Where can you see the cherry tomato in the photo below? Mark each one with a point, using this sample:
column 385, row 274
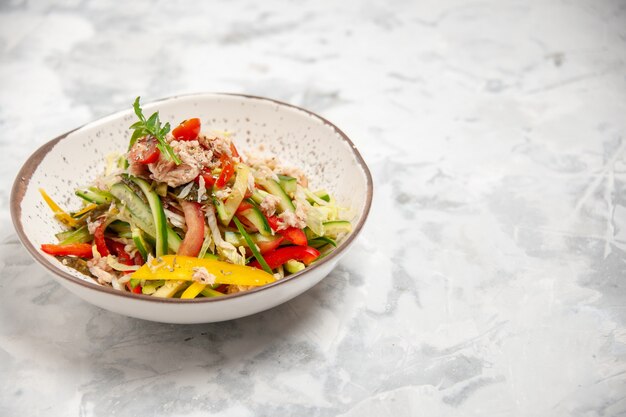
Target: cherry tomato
column 144, row 151
column 187, row 130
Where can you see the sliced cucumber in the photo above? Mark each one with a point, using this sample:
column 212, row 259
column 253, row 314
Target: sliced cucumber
column 169, row 289
column 158, row 216
column 226, row 210
column 139, row 210
column 254, row 216
column 318, row 242
column 141, row 244
column 94, row 195
column 323, row 194
column 119, row 226
column 336, row 227
column 259, row 195
column 274, row 188
column 142, row 215
column 292, row 266
column 151, row 286
column 289, row 184
column 210, row 292
column 80, row 235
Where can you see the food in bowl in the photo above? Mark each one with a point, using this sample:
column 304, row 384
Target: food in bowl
column 183, row 214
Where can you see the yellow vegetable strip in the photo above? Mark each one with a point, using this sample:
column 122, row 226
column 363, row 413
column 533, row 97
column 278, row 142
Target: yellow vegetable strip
column 193, row 290
column 59, row 213
column 84, row 210
column 174, row 267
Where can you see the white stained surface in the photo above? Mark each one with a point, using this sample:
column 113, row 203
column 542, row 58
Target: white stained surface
column 489, row 280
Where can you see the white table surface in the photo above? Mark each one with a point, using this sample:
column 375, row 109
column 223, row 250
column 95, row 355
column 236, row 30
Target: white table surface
column 490, row 279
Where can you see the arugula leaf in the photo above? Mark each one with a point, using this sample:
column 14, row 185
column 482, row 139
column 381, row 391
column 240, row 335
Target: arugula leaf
column 152, row 127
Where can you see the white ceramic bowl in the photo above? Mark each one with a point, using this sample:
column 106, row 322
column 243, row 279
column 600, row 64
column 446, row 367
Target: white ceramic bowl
column 297, row 136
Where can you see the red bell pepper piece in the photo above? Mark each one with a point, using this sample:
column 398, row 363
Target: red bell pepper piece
column 244, row 206
column 137, row 289
column 295, row 236
column 279, row 256
column 187, row 129
column 292, row 234
column 81, row 250
column 192, row 243
column 119, row 250
column 98, row 238
column 266, row 246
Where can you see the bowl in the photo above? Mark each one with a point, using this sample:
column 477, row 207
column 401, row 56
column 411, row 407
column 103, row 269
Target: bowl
column 296, row 136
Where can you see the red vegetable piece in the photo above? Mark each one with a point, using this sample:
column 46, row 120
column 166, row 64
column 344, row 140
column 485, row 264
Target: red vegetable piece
column 279, row 256
column 81, row 250
column 187, row 130
column 266, row 246
column 98, row 238
column 192, row 243
column 227, row 172
column 295, row 236
column 209, row 179
column 273, row 222
column 244, row 206
column 119, row 250
column 144, row 151
column 137, row 289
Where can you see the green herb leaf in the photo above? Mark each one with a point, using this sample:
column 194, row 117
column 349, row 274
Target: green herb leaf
column 152, row 127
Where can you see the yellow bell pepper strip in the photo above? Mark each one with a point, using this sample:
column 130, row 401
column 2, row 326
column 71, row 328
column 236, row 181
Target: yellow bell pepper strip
column 84, row 210
column 61, row 215
column 193, row 290
column 181, row 268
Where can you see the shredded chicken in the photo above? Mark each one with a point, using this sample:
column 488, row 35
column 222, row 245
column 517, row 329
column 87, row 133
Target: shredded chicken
column 99, row 268
column 290, row 219
column 297, row 173
column 223, row 193
column 193, row 157
column 201, row 275
column 269, row 204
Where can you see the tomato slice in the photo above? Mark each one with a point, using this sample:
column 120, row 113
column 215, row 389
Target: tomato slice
column 187, row 130
column 82, row 250
column 144, row 151
column 228, row 170
column 192, row 243
column 244, row 206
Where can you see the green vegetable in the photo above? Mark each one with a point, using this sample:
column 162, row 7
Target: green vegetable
column 158, row 216
column 288, row 183
column 274, row 188
column 254, row 216
column 226, row 210
column 252, row 246
column 152, row 127
column 292, row 266
column 140, row 243
column 80, row 235
column 94, row 195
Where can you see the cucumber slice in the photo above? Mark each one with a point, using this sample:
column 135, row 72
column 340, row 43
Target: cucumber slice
column 94, row 195
column 289, row 184
column 80, row 235
column 275, row 189
column 140, row 212
column 323, row 194
column 210, row 292
column 259, row 195
column 254, row 216
column 142, row 215
column 158, row 216
column 226, row 210
column 336, row 227
column 119, row 227
column 151, row 286
column 318, row 242
column 141, row 244
column 169, row 289
column 292, row 266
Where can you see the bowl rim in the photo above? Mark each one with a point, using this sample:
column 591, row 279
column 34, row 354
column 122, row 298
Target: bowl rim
column 24, row 175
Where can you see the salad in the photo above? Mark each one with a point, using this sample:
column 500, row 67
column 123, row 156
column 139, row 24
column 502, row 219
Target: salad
column 183, row 214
